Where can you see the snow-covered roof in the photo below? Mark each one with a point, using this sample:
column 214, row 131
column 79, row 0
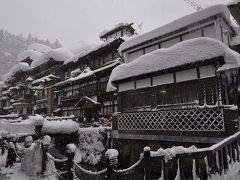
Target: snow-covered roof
column 117, row 26
column 233, row 2
column 177, row 24
column 60, row 127
column 186, row 52
column 29, row 79
column 87, row 98
column 88, row 72
column 84, row 53
column 39, row 47
column 81, row 47
column 59, row 54
column 47, row 78
column 22, row 66
column 32, row 54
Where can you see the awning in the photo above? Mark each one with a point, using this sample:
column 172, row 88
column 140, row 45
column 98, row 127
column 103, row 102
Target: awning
column 87, row 100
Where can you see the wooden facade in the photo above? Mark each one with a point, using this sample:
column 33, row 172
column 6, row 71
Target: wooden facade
column 202, row 109
column 101, row 62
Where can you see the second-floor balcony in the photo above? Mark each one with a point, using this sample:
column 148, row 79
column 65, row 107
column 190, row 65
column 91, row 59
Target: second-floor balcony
column 196, row 124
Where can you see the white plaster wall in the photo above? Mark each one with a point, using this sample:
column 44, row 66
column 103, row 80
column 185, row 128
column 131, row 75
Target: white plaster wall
column 186, row 75
column 163, row 79
column 143, row 83
column 126, row 86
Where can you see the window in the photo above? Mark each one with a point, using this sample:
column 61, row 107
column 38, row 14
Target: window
column 170, row 42
column 134, row 55
column 210, row 32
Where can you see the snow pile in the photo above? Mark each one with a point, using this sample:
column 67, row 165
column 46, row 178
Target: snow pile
column 104, row 32
column 186, row 52
column 76, row 72
column 59, row 127
column 82, row 47
column 14, row 174
column 169, row 153
column 96, row 48
column 44, row 79
column 22, row 66
column 23, row 127
column 233, row 2
column 177, row 24
column 31, row 162
column 39, row 47
column 88, row 72
column 90, row 148
column 59, row 54
column 233, row 173
column 28, row 54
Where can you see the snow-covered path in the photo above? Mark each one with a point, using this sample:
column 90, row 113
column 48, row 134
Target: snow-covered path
column 14, row 173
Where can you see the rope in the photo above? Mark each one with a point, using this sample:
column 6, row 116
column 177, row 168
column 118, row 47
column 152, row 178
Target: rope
column 56, row 172
column 90, row 172
column 128, row 169
column 54, row 159
column 76, row 176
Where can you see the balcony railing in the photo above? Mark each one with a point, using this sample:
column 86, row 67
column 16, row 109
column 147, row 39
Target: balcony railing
column 211, row 119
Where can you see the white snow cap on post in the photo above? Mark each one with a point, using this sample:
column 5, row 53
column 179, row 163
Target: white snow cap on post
column 71, row 148
column 111, row 153
column 46, row 140
column 183, row 53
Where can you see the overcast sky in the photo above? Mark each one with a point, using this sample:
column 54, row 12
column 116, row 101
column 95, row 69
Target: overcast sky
column 73, row 21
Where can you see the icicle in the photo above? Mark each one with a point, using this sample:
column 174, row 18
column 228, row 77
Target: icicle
column 162, row 175
column 194, row 173
column 178, row 172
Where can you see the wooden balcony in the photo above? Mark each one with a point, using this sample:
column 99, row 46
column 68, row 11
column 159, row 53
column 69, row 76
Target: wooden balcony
column 200, row 125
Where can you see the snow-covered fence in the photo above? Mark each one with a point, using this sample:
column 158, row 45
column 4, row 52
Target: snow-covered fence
column 219, row 161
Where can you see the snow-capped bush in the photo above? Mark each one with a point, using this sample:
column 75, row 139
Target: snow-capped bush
column 91, row 146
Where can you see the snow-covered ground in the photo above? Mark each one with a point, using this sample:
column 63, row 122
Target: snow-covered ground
column 14, row 173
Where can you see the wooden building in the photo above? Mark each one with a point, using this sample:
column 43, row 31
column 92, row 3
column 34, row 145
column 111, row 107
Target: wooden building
column 187, row 93
column 213, row 22
column 45, row 72
column 83, row 90
column 15, row 96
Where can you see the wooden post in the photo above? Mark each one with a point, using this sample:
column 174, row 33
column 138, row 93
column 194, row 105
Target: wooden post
column 164, row 170
column 237, row 149
column 210, row 163
column 220, row 160
column 225, row 159
column 197, row 166
column 109, row 170
column 44, row 158
column 70, row 164
column 147, row 164
column 181, row 169
column 233, row 151
column 229, row 152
